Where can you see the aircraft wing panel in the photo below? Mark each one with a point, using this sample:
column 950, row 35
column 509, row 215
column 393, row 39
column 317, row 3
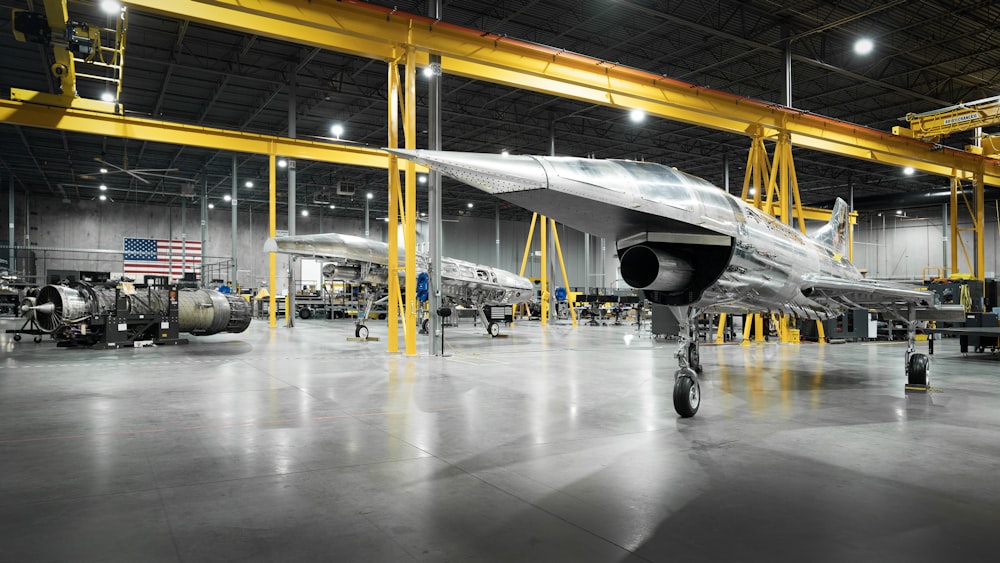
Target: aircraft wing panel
column 864, row 292
column 331, row 246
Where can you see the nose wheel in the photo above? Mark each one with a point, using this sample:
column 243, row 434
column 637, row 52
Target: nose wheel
column 361, row 331
column 687, row 392
column 493, row 329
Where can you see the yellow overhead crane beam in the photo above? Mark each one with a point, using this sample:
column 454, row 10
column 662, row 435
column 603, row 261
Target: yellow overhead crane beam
column 935, row 125
column 372, row 31
column 115, row 125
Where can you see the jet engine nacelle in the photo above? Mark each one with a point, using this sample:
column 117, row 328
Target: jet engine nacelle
column 655, row 269
column 674, row 274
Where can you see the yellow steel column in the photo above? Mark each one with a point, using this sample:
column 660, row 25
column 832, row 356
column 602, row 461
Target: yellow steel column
column 272, row 228
column 527, row 244
column 979, row 221
column 410, row 203
column 720, row 333
column 953, row 218
column 524, row 259
column 562, row 266
column 544, row 273
column 759, row 327
column 393, row 125
column 747, row 328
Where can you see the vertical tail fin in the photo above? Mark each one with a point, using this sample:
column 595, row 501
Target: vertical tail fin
column 834, row 233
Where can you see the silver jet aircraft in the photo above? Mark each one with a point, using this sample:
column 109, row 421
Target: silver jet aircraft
column 690, row 245
column 359, row 260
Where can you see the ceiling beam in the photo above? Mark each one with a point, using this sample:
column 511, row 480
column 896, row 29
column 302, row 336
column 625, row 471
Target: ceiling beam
column 376, row 32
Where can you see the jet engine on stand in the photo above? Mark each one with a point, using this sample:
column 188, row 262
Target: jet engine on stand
column 124, row 315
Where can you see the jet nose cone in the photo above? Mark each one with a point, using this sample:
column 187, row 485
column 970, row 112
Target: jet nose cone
column 493, row 173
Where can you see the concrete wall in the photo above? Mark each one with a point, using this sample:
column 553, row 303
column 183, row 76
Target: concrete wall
column 894, row 247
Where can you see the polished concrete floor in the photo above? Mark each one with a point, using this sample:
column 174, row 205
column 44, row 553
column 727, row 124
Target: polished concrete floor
column 557, row 444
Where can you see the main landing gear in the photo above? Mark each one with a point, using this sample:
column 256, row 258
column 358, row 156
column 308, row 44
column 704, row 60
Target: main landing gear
column 687, row 387
column 917, row 365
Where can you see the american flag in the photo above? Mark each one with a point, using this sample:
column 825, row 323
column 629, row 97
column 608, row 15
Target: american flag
column 172, row 258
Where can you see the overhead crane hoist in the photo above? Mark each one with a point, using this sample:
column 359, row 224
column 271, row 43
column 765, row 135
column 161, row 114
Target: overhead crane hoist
column 74, row 43
column 934, row 125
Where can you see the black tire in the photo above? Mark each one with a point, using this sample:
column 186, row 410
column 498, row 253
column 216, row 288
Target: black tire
column 493, row 329
column 425, row 326
column 305, row 313
column 361, row 331
column 17, row 338
column 38, row 339
column 917, row 374
column 687, row 395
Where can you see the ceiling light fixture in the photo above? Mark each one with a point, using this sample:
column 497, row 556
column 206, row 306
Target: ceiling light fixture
column 107, row 97
column 305, row 212
column 111, row 6
column 211, row 206
column 337, row 130
column 227, row 197
column 864, row 46
column 104, row 188
column 909, row 170
column 637, row 115
column 248, row 184
column 103, row 197
column 282, row 163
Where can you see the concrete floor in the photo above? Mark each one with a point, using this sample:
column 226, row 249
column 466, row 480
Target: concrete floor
column 546, row 445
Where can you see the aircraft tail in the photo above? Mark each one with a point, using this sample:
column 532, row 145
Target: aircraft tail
column 834, row 233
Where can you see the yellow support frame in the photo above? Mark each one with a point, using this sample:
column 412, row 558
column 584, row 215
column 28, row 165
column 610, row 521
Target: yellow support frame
column 562, row 266
column 403, row 209
column 79, row 121
column 544, row 265
column 976, row 210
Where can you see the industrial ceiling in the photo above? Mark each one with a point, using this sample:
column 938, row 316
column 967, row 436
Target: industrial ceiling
column 927, row 55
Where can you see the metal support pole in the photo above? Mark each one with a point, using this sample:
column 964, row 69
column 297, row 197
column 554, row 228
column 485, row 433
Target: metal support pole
column 204, row 228
column 367, row 224
column 272, row 228
column 184, row 237
column 604, row 262
column 725, row 172
column 497, row 222
column 944, row 236
column 788, row 66
column 586, row 263
column 11, row 263
column 233, row 213
column 291, row 201
column 435, row 231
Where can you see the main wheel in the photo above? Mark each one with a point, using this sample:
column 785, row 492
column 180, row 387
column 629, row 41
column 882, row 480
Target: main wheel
column 687, row 394
column 917, row 374
column 305, row 313
column 493, row 329
column 17, row 338
column 361, row 331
